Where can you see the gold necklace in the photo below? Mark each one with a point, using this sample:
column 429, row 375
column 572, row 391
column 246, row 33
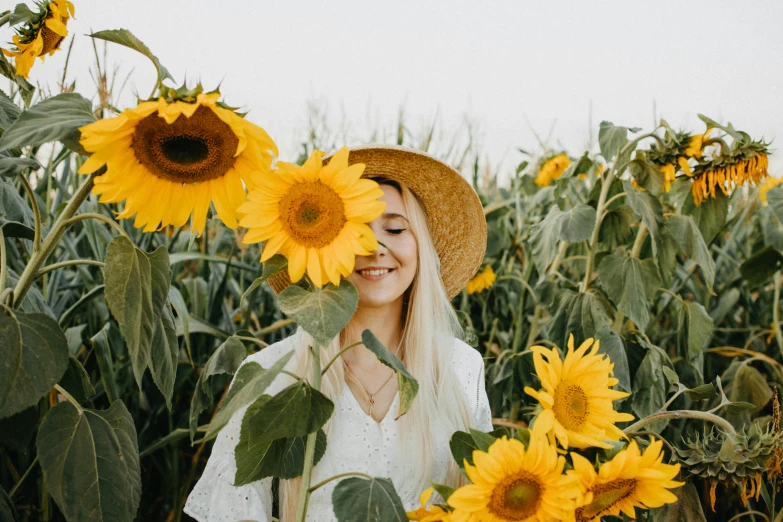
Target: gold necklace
column 371, row 400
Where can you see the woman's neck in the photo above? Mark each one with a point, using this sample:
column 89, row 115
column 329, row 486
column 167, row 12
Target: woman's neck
column 384, row 323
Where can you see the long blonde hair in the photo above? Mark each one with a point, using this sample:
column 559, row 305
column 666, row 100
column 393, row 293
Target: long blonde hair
column 429, row 325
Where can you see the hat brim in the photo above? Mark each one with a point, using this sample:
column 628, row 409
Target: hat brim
column 454, row 212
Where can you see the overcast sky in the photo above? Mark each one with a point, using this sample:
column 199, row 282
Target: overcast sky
column 510, row 67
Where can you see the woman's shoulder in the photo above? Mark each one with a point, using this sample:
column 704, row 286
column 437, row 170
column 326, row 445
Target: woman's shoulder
column 467, row 361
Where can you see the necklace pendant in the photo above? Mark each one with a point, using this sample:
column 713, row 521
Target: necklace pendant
column 372, row 401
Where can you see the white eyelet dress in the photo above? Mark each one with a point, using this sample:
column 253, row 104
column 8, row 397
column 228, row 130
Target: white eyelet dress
column 357, row 443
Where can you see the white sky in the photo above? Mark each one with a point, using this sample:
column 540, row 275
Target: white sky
column 510, row 67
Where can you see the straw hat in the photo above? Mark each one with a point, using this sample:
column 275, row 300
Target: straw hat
column 454, row 212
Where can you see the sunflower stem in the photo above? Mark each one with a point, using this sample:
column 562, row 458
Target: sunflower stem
column 682, row 414
column 99, row 217
column 340, row 475
column 4, row 18
column 323, row 372
column 304, row 493
column 55, row 234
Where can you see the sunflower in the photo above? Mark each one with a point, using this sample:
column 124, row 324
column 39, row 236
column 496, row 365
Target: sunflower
column 433, row 514
column 552, row 169
column 631, row 479
column 726, row 173
column 314, row 215
column 577, row 396
column 668, row 176
column 41, row 36
column 169, row 159
column 482, row 281
column 768, row 184
column 511, row 482
column 695, row 146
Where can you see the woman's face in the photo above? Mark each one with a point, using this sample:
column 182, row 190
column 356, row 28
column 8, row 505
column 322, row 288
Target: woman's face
column 382, row 277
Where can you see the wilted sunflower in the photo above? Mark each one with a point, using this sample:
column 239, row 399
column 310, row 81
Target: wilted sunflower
column 514, row 483
column 552, row 169
column 433, row 514
column 577, row 396
column 41, row 36
column 628, row 481
column 481, row 281
column 168, row 159
column 727, row 172
column 314, row 215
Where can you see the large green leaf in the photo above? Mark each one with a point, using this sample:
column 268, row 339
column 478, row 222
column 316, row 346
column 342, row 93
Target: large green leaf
column 407, row 386
column 688, row 236
column 462, row 445
column 294, row 412
column 710, row 216
column 612, row 345
column 136, row 290
column 225, row 360
column 762, row 266
column 249, row 383
column 76, row 381
column 90, row 460
column 612, row 138
column 577, row 223
column 10, row 166
column 367, row 500
column 9, row 111
column 33, row 357
column 647, row 175
column 544, row 236
column 103, row 354
column 616, row 226
column 649, row 209
column 649, row 387
column 54, row 119
column 321, row 312
column 126, row 38
column 631, row 284
column 273, row 265
column 695, row 329
column 749, row 385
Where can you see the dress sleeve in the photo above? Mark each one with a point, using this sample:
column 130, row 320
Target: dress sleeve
column 483, row 415
column 215, row 498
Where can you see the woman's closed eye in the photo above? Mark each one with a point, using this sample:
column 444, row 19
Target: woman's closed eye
column 396, row 231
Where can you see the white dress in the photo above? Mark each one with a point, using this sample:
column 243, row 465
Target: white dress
column 357, row 443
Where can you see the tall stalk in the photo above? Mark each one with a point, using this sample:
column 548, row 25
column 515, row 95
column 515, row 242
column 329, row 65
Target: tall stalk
column 304, row 493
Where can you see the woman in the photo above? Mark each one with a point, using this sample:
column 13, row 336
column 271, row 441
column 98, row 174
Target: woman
column 433, row 236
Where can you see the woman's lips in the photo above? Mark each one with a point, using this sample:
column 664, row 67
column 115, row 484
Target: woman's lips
column 374, row 274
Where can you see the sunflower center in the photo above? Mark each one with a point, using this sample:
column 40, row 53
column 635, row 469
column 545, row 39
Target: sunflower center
column 313, row 214
column 517, row 497
column 51, row 40
column 189, row 150
column 606, row 496
column 571, row 406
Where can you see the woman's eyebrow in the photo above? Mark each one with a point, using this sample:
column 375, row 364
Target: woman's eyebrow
column 391, row 215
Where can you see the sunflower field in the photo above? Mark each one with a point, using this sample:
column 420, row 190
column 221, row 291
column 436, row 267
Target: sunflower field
column 627, row 309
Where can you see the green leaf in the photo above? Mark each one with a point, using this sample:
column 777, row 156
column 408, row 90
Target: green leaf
column 647, row 175
column 462, row 446
column 483, row 440
column 407, row 386
column 7, row 510
column 257, row 458
column 10, row 166
column 21, row 15
column 686, row 509
column 443, row 490
column 54, row 119
column 759, row 268
column 249, row 383
column 612, row 138
column 17, row 430
column 705, row 392
column 612, row 345
column 582, row 314
column 321, row 312
column 687, row 235
column 136, row 291
column 631, row 284
column 16, row 229
column 76, row 381
column 100, row 343
column 577, row 223
column 294, row 412
column 33, row 357
column 273, row 265
column 91, row 462
column 649, row 388
column 544, row 236
column 126, row 38
column 178, row 304
column 749, row 385
column 775, row 201
column 649, row 209
column 695, row 329
column 225, row 360
column 671, row 375
column 710, row 216
column 9, row 111
column 615, row 227
column 362, row 500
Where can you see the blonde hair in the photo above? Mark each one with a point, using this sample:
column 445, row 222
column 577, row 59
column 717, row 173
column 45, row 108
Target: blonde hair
column 429, row 325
